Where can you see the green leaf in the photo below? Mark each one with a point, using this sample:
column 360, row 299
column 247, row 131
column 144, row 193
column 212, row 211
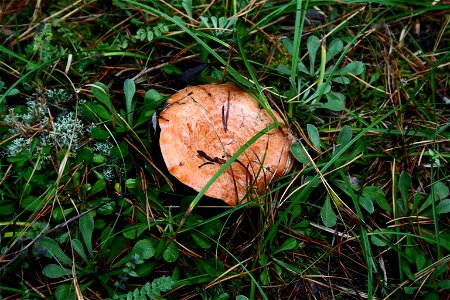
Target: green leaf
column 404, row 266
column 443, row 207
column 99, row 134
column 314, row 136
column 287, row 44
column 355, row 68
column 187, row 5
column 375, row 194
column 341, row 80
column 86, row 229
column 129, row 89
column 283, row 69
column 94, row 111
column 420, row 260
column 378, row 238
column 241, row 297
column 212, row 228
column 313, row 44
column 99, row 186
column 441, row 190
column 101, row 93
column 64, row 292
column 55, row 271
column 32, row 203
column 133, row 231
column 78, row 248
column 367, row 204
column 107, row 208
column 54, row 250
column 201, row 240
column 288, row 244
column 120, row 151
column 344, row 137
column 404, row 183
column 171, row 253
column 334, row 48
column 299, row 153
column 327, row 213
column 144, row 248
column 335, row 101
column 152, row 99
column 106, row 238
column 265, row 276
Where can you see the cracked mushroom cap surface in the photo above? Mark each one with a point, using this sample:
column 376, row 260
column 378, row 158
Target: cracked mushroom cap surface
column 203, row 126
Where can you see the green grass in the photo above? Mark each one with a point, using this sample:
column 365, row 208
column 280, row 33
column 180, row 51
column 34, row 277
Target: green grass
column 88, row 209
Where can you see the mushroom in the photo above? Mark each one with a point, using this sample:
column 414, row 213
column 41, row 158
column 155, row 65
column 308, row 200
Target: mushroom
column 203, row 126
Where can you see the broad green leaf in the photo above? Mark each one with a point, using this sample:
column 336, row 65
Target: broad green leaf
column 420, row 260
column 241, row 297
column 441, row 190
column 55, row 271
column 404, row 266
column 355, row 68
column 98, row 159
column 334, row 48
column 78, row 248
column 101, row 93
column 201, row 240
column 287, row 44
column 129, row 89
column 94, row 111
column 314, row 136
column 99, row 134
column 152, row 99
column 443, row 207
column 344, row 137
column 65, row 292
column 212, row 267
column 341, row 80
column 212, row 228
column 335, row 101
column 171, row 253
column 107, row 208
column 378, row 238
column 32, row 203
column 54, row 250
column 313, row 44
column 404, row 182
column 145, row 248
column 299, row 153
column 375, row 194
column 264, row 276
column 288, row 244
column 99, row 186
column 133, row 231
column 187, row 5
column 327, row 213
column 367, row 204
column 120, row 151
column 86, row 229
column 283, row 69
column 290, row 267
column 106, row 238
column 324, row 89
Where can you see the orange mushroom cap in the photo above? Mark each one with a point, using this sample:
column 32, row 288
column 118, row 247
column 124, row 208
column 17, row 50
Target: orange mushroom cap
column 203, row 126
